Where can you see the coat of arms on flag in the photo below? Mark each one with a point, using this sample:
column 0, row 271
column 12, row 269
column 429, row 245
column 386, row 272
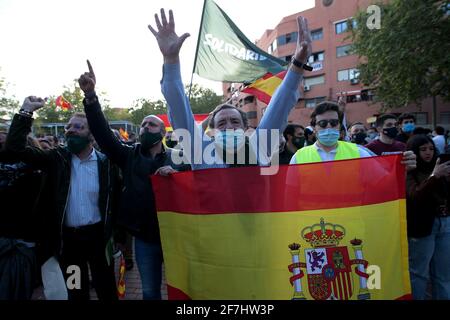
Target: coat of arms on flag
column 328, row 265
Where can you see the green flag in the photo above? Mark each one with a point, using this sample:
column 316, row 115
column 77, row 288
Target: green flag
column 225, row 54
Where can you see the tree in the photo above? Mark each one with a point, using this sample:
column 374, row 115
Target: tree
column 8, row 104
column 52, row 113
column 144, row 107
column 203, row 100
column 116, row 114
column 73, row 94
column 407, row 59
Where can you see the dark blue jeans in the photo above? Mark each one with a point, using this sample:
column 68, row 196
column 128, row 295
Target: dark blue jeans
column 149, row 261
column 429, row 257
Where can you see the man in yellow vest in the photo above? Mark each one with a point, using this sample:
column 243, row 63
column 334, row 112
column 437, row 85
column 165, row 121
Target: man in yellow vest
column 326, row 121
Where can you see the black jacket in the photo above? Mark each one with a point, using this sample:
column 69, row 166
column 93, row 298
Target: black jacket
column 20, row 219
column 425, row 196
column 57, row 164
column 137, row 213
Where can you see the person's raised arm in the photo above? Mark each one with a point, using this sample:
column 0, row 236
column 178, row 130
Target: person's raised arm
column 16, row 140
column 98, row 124
column 286, row 95
column 179, row 110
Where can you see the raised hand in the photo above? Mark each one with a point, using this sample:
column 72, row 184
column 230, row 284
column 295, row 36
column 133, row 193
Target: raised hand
column 304, row 47
column 32, row 103
column 441, row 169
column 168, row 41
column 87, row 80
column 409, row 160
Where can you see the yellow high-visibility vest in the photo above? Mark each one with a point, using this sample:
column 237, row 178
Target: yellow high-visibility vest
column 345, row 150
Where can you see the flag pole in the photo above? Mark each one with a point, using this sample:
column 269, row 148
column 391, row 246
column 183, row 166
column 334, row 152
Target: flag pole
column 196, row 50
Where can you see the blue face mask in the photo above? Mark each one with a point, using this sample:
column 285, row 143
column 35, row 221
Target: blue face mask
column 328, row 137
column 409, row 127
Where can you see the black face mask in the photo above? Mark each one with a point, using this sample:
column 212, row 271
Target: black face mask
column 391, row 132
column 171, row 143
column 298, row 142
column 359, row 138
column 76, row 144
column 149, row 139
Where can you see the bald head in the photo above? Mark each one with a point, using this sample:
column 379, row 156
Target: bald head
column 153, row 124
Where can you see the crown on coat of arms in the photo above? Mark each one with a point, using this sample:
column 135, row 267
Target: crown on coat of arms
column 323, row 234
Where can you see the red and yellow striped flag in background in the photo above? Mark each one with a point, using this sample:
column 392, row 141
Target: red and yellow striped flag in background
column 264, row 88
column 198, row 118
column 316, row 231
column 63, row 103
column 123, row 134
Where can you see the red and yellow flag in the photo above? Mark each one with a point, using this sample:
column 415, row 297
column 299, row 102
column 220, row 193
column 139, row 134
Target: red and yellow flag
column 63, row 103
column 264, row 88
column 199, row 118
column 123, row 134
column 121, row 281
column 332, row 230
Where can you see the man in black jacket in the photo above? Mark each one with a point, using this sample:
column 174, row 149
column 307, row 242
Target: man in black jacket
column 22, row 226
column 137, row 206
column 83, row 186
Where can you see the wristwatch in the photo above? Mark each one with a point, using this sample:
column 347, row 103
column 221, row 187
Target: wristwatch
column 300, row 65
column 25, row 113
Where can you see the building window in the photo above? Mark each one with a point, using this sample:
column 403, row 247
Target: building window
column 343, row 26
column 248, row 100
column 313, row 81
column 315, row 57
column 251, row 115
column 316, row 34
column 287, row 38
column 343, row 51
column 311, row 103
column 421, row 118
column 348, row 74
column 445, row 118
column 272, row 47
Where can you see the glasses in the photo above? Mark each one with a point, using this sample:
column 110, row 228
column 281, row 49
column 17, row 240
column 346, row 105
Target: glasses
column 75, row 126
column 324, row 123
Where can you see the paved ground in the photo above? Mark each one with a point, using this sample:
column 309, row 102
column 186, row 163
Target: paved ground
column 133, row 289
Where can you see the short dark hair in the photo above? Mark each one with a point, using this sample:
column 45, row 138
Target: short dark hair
column 290, row 129
column 405, row 116
column 356, row 124
column 323, row 107
column 381, row 119
column 227, row 106
column 439, row 130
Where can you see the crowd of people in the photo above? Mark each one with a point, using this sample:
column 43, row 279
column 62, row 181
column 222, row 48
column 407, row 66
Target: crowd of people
column 76, row 202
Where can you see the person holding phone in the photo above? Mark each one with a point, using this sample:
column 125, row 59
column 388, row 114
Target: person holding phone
column 428, row 216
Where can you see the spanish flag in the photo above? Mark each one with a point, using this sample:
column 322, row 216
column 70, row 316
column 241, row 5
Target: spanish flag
column 198, row 118
column 123, row 134
column 322, row 231
column 63, row 103
column 264, row 88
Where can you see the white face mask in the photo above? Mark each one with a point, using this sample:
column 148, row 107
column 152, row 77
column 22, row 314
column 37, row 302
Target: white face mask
column 229, row 140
